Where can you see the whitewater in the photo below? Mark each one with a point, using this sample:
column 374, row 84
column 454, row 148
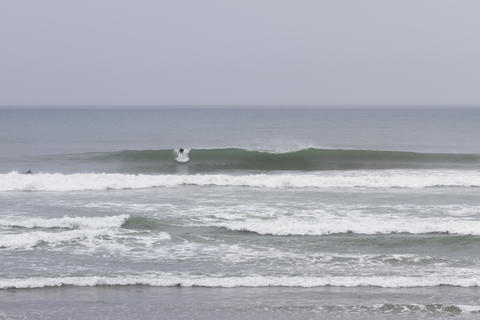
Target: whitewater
column 15, row 181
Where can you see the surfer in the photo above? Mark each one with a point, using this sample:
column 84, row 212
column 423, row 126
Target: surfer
column 28, row 172
column 181, row 155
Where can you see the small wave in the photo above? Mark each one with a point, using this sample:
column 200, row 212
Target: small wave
column 365, row 225
column 15, row 181
column 90, row 231
column 91, row 238
column 83, row 229
column 65, row 222
column 29, row 240
column 186, row 280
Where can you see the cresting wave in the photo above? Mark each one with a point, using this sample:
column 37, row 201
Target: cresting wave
column 91, row 231
column 78, row 229
column 203, row 160
column 65, row 222
column 29, row 240
column 15, row 181
column 187, row 280
column 365, row 225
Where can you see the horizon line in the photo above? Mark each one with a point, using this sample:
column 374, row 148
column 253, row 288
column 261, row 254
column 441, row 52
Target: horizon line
column 227, row 106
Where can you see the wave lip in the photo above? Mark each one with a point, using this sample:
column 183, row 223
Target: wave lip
column 186, row 280
column 15, row 181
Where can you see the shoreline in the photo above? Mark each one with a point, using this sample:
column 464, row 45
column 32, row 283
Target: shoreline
column 140, row 302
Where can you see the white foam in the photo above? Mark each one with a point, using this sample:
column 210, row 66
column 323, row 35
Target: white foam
column 91, row 232
column 395, row 308
column 15, row 181
column 359, row 225
column 414, row 307
column 66, row 222
column 28, row 240
column 469, row 308
column 280, row 148
column 187, row 280
column 317, row 218
column 125, row 206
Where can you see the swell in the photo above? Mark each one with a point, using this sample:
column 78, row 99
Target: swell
column 310, row 159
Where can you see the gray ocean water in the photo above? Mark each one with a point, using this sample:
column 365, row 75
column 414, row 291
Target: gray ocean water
column 278, row 213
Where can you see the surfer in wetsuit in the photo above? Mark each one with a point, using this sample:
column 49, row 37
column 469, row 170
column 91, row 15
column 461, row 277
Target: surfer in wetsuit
column 28, row 172
column 181, row 155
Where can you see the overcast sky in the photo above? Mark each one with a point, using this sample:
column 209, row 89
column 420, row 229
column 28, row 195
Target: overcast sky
column 242, row 52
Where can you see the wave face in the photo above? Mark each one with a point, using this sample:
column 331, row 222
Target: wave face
column 310, row 159
column 15, row 181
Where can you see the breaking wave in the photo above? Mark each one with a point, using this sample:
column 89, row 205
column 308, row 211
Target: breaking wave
column 15, row 181
column 187, row 280
column 367, row 226
column 65, row 222
column 91, row 231
column 29, row 240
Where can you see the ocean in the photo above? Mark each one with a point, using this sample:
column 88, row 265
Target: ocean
column 270, row 213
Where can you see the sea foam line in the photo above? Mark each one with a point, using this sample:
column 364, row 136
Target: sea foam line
column 15, row 181
column 185, row 280
column 359, row 225
column 28, row 240
column 65, row 222
column 397, row 308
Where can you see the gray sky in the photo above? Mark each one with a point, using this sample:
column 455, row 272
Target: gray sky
column 201, row 52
